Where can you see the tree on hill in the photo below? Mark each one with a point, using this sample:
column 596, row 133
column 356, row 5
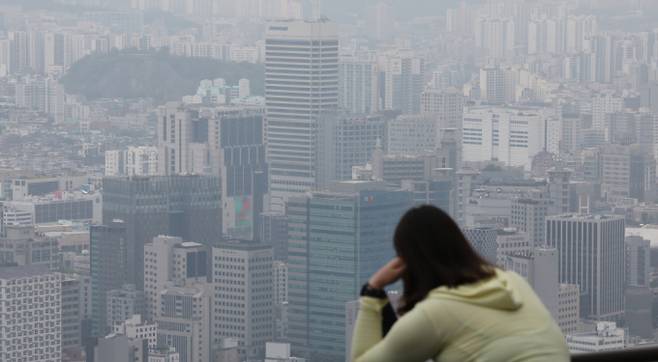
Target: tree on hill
column 157, row 75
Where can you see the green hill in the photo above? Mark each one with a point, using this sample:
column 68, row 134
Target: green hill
column 156, row 75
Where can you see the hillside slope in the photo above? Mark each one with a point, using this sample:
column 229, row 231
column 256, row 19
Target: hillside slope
column 157, row 75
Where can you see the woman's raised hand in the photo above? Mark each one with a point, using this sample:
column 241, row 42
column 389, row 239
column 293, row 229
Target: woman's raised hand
column 388, row 274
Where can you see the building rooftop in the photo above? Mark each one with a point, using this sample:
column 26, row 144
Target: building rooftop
column 585, row 217
column 26, row 271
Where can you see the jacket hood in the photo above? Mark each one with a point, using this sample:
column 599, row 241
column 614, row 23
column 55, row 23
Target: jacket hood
column 495, row 293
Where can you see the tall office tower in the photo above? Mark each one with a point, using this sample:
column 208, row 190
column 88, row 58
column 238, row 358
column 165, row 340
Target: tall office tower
column 182, row 140
column 242, row 277
column 642, row 173
column 237, row 153
column 280, row 292
column 123, row 303
column 358, row 84
column 412, row 135
column 492, row 85
column 403, row 82
column 446, row 105
column 638, row 263
column 296, row 53
column 184, row 206
column 483, row 240
column 559, row 180
column 529, row 216
column 184, row 321
column 32, row 299
column 496, row 36
column 74, row 312
column 591, row 251
column 345, row 141
column 349, row 246
column 170, row 260
column 109, row 269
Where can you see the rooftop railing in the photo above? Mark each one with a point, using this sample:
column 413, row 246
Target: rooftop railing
column 639, row 354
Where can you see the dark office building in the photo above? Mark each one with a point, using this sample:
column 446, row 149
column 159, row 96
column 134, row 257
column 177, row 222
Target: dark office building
column 185, row 206
column 337, row 240
column 237, row 146
column 109, row 268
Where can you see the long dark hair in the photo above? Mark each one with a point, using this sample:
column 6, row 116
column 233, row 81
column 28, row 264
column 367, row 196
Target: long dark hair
column 436, row 254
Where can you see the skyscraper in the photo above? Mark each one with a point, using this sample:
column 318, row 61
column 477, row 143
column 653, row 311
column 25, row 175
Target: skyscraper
column 237, row 154
column 109, row 269
column 182, row 140
column 359, row 84
column 403, row 82
column 591, row 254
column 301, row 83
column 243, row 309
column 184, row 206
column 331, row 254
column 32, row 300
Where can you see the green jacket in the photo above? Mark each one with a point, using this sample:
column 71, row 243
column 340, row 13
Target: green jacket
column 497, row 320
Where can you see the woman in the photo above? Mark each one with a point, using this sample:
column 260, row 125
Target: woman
column 455, row 306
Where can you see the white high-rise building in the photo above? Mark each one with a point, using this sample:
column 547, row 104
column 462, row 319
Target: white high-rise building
column 403, row 81
column 510, row 135
column 181, row 150
column 592, row 255
column 32, row 317
column 141, row 161
column 359, row 84
column 114, row 163
column 242, row 277
column 295, row 53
